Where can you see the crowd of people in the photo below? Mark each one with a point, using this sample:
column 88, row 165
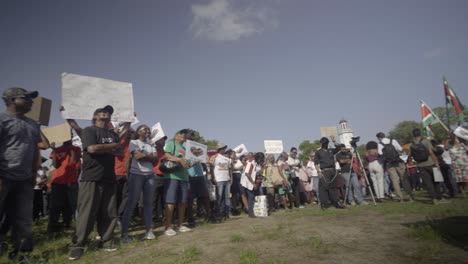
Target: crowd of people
column 119, row 173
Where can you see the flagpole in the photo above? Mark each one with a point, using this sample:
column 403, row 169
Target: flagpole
column 438, row 119
column 444, row 81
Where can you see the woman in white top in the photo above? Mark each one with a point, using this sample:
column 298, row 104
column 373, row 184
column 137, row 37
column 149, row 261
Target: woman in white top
column 141, row 178
column 252, row 168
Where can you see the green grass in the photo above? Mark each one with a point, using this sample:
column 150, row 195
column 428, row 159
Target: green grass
column 247, row 256
column 189, row 255
column 424, row 232
column 236, row 238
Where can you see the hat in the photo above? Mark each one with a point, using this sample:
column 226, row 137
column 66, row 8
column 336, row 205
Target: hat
column 16, row 91
column 461, row 133
column 220, row 146
column 107, row 109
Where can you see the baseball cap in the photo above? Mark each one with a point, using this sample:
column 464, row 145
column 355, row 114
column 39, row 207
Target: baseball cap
column 461, row 133
column 106, row 109
column 221, row 146
column 16, row 91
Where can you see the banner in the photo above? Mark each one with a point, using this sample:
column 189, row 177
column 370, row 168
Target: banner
column 157, row 133
column 273, row 146
column 82, row 95
column 196, row 151
column 58, row 134
column 240, row 150
column 328, row 131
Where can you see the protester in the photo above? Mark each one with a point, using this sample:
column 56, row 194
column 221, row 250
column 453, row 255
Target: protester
column 140, row 179
column 389, row 152
column 98, row 186
column 222, row 176
column 353, row 188
column 158, row 200
column 285, row 191
column 39, row 188
column 306, row 183
column 314, row 174
column 121, row 172
column 176, row 183
column 64, row 185
column 458, row 153
column 413, row 174
column 236, row 187
column 271, row 168
column 375, row 169
column 294, row 163
column 328, row 183
column 252, row 168
column 426, row 161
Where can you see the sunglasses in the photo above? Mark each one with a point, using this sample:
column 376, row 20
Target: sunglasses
column 144, row 129
column 24, row 97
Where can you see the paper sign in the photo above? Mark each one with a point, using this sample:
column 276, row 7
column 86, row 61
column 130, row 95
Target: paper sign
column 195, row 151
column 76, row 141
column 157, row 133
column 328, row 131
column 82, row 95
column 40, row 110
column 240, row 150
column 273, row 146
column 58, row 134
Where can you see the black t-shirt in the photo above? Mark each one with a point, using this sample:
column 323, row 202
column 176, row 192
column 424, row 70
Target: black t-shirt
column 98, row 167
column 324, row 158
column 345, row 167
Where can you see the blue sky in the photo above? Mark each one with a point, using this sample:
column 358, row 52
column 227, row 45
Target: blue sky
column 245, row 71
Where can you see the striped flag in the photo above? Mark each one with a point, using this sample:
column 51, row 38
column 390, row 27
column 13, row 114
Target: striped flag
column 452, row 99
column 427, row 119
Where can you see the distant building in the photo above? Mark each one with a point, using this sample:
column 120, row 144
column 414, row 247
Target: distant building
column 345, row 133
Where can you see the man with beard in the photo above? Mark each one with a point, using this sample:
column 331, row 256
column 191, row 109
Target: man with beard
column 98, row 186
column 328, row 184
column 19, row 161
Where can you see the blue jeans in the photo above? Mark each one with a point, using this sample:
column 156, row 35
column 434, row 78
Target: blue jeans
column 223, row 190
column 137, row 184
column 387, row 185
column 251, row 200
column 352, row 187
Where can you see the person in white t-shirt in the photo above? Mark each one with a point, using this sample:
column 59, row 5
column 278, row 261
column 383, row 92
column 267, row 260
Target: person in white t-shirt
column 312, row 170
column 222, row 176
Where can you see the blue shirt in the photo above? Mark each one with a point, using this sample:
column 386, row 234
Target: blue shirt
column 196, row 171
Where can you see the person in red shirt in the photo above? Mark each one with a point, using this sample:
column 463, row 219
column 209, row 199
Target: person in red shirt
column 64, row 185
column 159, row 181
column 121, row 172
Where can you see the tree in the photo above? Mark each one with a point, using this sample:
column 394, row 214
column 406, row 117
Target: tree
column 212, row 143
column 403, row 131
column 306, row 148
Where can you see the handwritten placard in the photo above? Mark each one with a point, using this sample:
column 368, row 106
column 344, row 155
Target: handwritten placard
column 157, row 132
column 273, row 146
column 58, row 134
column 82, row 95
column 240, row 150
column 195, row 151
column 328, row 131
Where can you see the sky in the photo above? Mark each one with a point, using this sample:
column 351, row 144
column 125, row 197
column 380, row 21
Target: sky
column 246, row 71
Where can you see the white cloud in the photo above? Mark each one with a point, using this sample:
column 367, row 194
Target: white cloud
column 220, row 20
column 432, row 53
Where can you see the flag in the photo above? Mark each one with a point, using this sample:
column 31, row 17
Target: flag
column 427, row 119
column 452, row 99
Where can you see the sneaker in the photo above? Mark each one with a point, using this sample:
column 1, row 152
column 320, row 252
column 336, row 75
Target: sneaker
column 108, row 246
column 443, row 200
column 125, row 239
column 149, row 236
column 364, row 203
column 76, row 253
column 170, row 232
column 184, row 229
column 301, row 207
column 352, row 203
column 98, row 237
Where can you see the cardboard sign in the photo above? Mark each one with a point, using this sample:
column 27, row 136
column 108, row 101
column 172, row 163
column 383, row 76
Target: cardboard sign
column 157, row 133
column 273, row 146
column 76, row 141
column 40, row 110
column 82, row 95
column 195, row 151
column 58, row 134
column 328, row 131
column 240, row 150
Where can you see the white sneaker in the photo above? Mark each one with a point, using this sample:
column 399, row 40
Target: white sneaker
column 149, row 236
column 184, row 229
column 170, row 232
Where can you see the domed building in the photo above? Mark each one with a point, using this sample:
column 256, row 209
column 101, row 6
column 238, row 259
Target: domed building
column 345, row 133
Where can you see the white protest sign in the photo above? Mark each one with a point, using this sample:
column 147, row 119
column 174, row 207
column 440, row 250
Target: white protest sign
column 157, row 133
column 58, row 134
column 328, row 131
column 273, row 146
column 82, row 95
column 195, row 151
column 240, row 150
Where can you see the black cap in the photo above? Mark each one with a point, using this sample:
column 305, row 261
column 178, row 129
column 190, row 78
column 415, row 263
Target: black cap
column 106, row 109
column 16, row 91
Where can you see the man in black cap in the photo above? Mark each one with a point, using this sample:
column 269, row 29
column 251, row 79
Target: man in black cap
column 19, row 162
column 98, row 186
column 328, row 182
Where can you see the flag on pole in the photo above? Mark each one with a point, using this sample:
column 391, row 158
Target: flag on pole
column 452, row 99
column 427, row 119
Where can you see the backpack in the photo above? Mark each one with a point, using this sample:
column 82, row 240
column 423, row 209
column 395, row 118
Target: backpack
column 389, row 153
column 419, row 151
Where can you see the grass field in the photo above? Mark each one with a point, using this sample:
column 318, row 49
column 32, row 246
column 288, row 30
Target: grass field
column 391, row 232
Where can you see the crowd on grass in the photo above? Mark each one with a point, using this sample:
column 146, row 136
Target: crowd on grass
column 119, row 175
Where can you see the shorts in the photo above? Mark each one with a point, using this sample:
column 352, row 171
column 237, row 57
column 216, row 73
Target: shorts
column 236, row 187
column 198, row 188
column 175, row 191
